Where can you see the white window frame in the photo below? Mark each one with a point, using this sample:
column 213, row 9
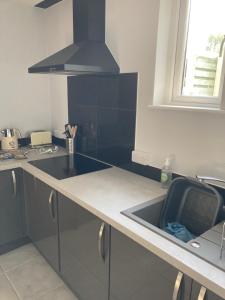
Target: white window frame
column 176, row 98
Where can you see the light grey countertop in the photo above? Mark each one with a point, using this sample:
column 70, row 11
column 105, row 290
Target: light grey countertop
column 108, row 192
column 31, row 154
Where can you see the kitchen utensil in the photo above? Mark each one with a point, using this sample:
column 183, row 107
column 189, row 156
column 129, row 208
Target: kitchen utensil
column 74, row 131
column 70, row 131
column 10, row 132
column 48, row 149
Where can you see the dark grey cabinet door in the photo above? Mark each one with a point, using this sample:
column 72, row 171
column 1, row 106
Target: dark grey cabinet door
column 84, row 249
column 12, row 212
column 136, row 273
column 206, row 294
column 42, row 214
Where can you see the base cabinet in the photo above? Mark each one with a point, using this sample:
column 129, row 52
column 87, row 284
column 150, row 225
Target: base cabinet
column 136, row 273
column 201, row 293
column 42, row 215
column 95, row 260
column 12, row 212
column 84, row 249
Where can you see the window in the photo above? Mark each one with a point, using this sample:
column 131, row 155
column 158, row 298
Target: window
column 198, row 75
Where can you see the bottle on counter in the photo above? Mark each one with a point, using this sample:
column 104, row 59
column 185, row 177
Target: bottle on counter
column 166, row 172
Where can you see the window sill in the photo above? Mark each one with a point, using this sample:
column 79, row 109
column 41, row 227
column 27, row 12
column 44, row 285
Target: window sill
column 187, row 108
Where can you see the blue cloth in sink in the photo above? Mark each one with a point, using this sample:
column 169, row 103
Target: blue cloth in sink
column 179, row 231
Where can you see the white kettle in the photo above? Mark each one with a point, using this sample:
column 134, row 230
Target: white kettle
column 9, row 138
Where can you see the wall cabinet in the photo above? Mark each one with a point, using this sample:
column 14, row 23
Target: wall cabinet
column 12, row 212
column 84, row 249
column 136, row 273
column 42, row 215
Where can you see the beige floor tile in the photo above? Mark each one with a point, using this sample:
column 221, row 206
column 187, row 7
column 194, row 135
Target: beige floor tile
column 61, row 293
column 34, row 279
column 17, row 257
column 6, row 290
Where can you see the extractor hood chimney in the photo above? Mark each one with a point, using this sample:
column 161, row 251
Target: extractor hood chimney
column 89, row 53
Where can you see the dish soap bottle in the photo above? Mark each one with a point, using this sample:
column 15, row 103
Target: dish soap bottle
column 166, row 173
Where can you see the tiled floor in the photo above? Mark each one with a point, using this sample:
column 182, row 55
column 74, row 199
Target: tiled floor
column 25, row 275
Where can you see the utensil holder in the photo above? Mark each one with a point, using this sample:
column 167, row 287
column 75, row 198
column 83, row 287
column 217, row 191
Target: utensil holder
column 70, row 145
column 9, row 143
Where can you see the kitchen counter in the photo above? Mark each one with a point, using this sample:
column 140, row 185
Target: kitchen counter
column 108, row 192
column 32, row 154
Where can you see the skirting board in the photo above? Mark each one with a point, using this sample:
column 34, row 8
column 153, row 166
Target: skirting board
column 13, row 245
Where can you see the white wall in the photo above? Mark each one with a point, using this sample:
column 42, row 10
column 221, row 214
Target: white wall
column 24, row 98
column 196, row 138
column 59, row 34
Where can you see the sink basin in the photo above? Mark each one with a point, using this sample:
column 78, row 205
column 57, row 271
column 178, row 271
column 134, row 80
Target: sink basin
column 148, row 214
column 188, row 202
column 206, row 246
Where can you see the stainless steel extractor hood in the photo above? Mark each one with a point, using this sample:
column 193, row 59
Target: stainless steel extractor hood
column 88, row 54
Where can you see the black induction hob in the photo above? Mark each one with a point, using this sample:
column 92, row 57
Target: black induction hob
column 62, row 167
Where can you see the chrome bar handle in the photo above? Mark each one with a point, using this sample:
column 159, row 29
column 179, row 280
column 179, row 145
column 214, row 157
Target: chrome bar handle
column 50, row 205
column 202, row 293
column 177, row 285
column 101, row 248
column 209, row 178
column 14, row 183
column 222, row 241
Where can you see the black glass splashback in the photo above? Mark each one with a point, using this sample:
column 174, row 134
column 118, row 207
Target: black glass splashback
column 104, row 108
column 63, row 167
